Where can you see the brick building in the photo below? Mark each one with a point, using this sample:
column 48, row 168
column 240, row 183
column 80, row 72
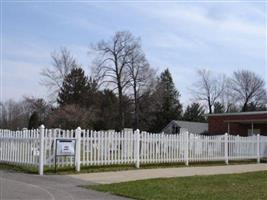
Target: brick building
column 243, row 123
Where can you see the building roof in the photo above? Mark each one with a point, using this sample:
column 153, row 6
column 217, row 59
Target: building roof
column 192, row 127
column 237, row 113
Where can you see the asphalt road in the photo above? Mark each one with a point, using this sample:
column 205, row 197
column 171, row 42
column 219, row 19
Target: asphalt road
column 22, row 186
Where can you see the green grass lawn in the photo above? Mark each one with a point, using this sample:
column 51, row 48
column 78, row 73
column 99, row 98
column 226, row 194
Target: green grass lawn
column 108, row 168
column 244, row 186
column 19, row 168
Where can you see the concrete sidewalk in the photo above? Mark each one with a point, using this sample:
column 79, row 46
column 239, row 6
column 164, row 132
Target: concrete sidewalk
column 131, row 175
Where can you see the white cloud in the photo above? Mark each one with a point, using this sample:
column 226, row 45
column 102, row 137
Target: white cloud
column 23, row 60
column 182, row 36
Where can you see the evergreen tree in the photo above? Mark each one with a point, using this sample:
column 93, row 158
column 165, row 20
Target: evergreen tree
column 218, row 108
column 76, row 89
column 194, row 112
column 254, row 107
column 92, row 91
column 168, row 106
column 107, row 111
column 232, row 109
column 34, row 121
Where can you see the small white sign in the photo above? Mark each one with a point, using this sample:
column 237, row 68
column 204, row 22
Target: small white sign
column 35, row 151
column 65, row 147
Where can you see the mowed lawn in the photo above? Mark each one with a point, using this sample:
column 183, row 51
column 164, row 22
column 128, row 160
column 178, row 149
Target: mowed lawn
column 250, row 186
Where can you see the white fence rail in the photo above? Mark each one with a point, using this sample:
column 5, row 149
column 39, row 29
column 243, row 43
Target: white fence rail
column 38, row 147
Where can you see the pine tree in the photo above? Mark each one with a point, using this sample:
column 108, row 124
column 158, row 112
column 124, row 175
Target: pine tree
column 34, row 121
column 76, row 89
column 254, row 107
column 169, row 106
column 218, row 107
column 194, row 112
column 107, row 111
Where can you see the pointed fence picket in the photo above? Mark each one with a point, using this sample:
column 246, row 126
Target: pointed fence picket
column 95, row 148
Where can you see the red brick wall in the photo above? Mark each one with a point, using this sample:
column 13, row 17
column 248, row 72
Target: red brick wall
column 217, row 124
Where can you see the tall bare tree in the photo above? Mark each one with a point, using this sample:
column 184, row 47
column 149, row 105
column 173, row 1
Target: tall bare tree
column 62, row 63
column 141, row 78
column 208, row 88
column 111, row 64
column 227, row 100
column 247, row 87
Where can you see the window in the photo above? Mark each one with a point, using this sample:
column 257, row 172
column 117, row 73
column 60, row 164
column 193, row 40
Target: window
column 175, row 129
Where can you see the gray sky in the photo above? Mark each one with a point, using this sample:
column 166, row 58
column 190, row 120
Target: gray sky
column 220, row 36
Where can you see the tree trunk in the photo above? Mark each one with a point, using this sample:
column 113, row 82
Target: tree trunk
column 245, row 105
column 210, row 106
column 136, row 110
column 121, row 112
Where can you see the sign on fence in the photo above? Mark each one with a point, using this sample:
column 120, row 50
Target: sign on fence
column 35, row 151
column 65, row 147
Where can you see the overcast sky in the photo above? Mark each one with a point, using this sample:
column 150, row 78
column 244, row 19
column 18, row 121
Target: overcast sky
column 220, row 36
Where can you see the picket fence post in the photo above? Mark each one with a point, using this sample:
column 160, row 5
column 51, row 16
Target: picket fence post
column 186, row 148
column 41, row 149
column 258, row 148
column 226, row 148
column 137, row 148
column 78, row 149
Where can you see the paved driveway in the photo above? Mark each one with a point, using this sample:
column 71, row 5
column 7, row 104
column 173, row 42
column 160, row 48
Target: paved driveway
column 21, row 186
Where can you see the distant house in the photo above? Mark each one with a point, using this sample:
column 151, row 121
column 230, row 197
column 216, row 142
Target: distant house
column 241, row 123
column 193, row 127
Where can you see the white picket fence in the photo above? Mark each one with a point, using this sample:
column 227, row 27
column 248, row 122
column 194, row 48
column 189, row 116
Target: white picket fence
column 37, row 148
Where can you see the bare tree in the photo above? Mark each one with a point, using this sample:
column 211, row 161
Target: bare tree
column 141, row 77
column 71, row 116
column 227, row 99
column 111, row 64
column 247, row 87
column 208, row 88
column 62, row 63
column 14, row 115
column 38, row 105
column 3, row 117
